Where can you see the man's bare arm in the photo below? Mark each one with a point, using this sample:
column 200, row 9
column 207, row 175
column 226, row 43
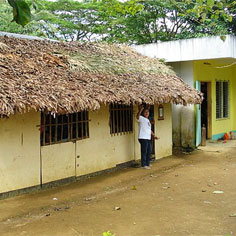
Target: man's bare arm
column 139, row 112
column 154, row 136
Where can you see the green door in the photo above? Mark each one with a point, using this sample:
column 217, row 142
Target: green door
column 198, row 117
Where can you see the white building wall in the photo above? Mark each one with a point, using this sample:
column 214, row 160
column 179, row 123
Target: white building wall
column 191, row 49
column 183, row 116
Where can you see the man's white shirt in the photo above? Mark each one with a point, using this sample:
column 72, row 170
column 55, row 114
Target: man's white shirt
column 144, row 128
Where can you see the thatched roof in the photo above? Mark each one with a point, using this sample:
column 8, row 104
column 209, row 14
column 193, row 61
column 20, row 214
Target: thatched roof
column 69, row 77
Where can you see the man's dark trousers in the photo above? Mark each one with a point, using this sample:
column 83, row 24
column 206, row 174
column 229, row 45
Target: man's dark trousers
column 146, row 149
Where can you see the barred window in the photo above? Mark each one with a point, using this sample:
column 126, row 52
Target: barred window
column 222, row 99
column 121, row 118
column 64, row 128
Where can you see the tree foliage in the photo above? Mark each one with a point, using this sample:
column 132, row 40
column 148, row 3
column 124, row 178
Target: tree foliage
column 165, row 20
column 132, row 21
column 22, row 12
column 8, row 25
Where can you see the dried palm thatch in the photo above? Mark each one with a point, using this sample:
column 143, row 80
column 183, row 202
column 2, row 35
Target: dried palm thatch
column 69, row 77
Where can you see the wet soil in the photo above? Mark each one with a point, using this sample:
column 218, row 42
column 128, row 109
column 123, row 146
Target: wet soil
column 174, row 198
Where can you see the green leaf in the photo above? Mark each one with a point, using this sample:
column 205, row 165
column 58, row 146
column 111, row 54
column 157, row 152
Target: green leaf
column 230, row 18
column 210, row 3
column 223, row 38
column 220, row 5
column 21, row 11
column 203, row 16
column 108, row 233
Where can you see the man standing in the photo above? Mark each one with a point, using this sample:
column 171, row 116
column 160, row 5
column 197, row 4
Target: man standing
column 144, row 136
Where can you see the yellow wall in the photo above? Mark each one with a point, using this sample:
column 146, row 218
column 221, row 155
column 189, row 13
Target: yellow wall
column 100, row 151
column 233, row 96
column 163, row 129
column 206, row 71
column 19, row 152
column 21, row 155
column 58, row 161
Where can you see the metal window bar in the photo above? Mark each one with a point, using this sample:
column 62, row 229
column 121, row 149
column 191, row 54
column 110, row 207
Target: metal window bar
column 82, row 127
column 225, row 99
column 62, row 123
column 71, row 127
column 121, row 120
column 128, row 120
column 49, row 126
column 126, row 111
column 77, row 127
column 124, row 120
column 113, row 119
column 131, row 118
column 82, row 123
column 116, row 120
column 61, row 133
column 85, row 123
column 44, row 133
column 87, row 127
column 121, row 123
column 69, row 135
column 218, row 99
column 56, row 130
column 65, row 133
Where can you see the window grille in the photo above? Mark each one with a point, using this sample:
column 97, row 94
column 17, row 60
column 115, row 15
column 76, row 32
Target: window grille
column 222, row 99
column 225, row 99
column 64, row 128
column 218, row 100
column 121, row 118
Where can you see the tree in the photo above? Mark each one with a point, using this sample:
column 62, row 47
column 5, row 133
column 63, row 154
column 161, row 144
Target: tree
column 201, row 8
column 8, row 25
column 134, row 21
column 162, row 21
column 70, row 20
column 22, row 12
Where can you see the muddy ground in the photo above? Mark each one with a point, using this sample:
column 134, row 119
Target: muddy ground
column 175, row 197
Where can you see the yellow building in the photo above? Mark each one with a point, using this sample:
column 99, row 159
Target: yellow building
column 208, row 64
column 68, row 110
column 217, row 82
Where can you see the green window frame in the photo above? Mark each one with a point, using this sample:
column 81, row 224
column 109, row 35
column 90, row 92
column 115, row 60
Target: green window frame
column 222, row 99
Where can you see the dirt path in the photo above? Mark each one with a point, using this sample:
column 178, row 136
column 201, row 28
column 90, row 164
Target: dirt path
column 174, row 198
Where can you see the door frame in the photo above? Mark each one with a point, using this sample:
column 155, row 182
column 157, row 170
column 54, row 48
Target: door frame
column 209, row 112
column 153, row 154
column 209, row 108
column 198, row 117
